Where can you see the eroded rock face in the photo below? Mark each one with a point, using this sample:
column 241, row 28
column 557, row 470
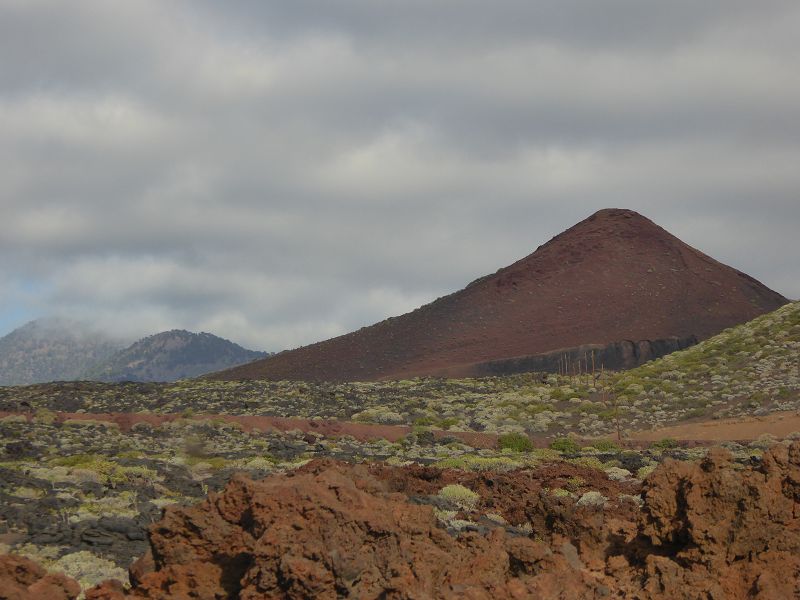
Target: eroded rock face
column 624, row 354
column 337, row 532
column 732, row 534
column 329, row 530
column 23, row 579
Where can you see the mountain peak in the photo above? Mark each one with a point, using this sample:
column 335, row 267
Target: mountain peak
column 172, row 355
column 51, row 349
column 615, row 276
column 611, row 220
column 616, row 213
column 59, row 349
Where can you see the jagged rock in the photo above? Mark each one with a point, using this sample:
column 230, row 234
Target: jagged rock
column 335, row 530
column 23, row 579
column 331, row 530
column 729, row 533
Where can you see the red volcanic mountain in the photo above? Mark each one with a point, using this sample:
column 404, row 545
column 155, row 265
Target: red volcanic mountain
column 615, row 283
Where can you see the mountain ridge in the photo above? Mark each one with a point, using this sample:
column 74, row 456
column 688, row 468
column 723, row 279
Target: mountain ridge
column 172, row 355
column 59, row 349
column 51, row 349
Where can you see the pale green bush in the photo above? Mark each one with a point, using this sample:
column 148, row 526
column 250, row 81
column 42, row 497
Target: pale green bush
column 460, row 496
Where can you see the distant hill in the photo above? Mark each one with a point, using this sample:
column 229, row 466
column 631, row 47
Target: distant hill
column 615, row 280
column 52, row 349
column 753, row 368
column 170, row 356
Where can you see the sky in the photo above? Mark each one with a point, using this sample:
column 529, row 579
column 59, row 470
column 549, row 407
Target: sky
column 282, row 172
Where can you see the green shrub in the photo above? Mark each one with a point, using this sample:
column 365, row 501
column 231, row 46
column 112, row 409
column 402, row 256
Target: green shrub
column 546, row 454
column 460, row 496
column 380, row 415
column 566, row 445
column 479, row 463
column 592, row 498
column 575, row 483
column 91, row 423
column 605, row 446
column 695, row 412
column 515, row 441
column 14, row 419
column 592, row 462
column 105, row 467
column 645, row 471
column 44, row 416
column 612, row 414
column 665, row 444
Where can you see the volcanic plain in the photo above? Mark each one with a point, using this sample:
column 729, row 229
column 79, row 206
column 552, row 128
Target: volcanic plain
column 369, row 474
column 531, row 479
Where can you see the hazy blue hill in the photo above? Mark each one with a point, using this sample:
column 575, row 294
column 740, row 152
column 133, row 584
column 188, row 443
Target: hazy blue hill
column 172, row 355
column 52, row 349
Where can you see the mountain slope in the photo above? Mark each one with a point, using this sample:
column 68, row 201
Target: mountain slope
column 753, row 368
column 51, row 350
column 614, row 276
column 172, row 355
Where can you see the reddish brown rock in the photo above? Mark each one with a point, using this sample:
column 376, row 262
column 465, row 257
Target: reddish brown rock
column 336, row 530
column 329, row 530
column 108, row 590
column 141, row 567
column 738, row 531
column 23, row 579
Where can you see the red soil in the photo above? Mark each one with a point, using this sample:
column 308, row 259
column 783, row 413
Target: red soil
column 700, row 433
column 614, row 276
column 325, row 427
column 779, row 424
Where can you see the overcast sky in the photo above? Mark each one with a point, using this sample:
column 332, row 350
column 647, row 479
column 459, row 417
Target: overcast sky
column 279, row 172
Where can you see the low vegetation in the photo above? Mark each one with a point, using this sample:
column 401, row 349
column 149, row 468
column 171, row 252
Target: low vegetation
column 748, row 370
column 82, row 479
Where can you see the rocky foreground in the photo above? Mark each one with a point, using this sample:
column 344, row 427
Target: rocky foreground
column 331, row 530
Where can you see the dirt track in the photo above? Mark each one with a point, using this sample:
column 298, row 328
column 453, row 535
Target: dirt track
column 778, row 424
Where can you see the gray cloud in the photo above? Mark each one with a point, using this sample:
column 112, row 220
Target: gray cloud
column 282, row 172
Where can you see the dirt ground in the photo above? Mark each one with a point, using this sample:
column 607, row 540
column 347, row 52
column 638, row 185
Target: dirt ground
column 779, row 424
column 741, row 429
column 325, row 427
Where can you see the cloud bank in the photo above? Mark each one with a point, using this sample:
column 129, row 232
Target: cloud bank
column 279, row 173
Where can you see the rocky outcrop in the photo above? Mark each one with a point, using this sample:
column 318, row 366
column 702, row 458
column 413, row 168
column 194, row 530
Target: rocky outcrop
column 329, row 530
column 329, row 534
column 718, row 532
column 625, row 354
column 23, row 579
